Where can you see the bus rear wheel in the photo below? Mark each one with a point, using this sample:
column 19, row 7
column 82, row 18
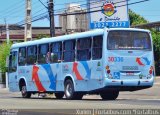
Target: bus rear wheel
column 59, row 95
column 70, row 92
column 24, row 92
column 109, row 95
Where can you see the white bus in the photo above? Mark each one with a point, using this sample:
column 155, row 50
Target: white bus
column 103, row 61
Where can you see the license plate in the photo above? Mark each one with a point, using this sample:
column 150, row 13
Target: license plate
column 130, row 74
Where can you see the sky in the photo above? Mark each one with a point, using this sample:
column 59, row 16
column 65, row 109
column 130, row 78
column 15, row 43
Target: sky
column 13, row 11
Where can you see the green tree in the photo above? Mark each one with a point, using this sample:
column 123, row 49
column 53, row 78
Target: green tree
column 156, row 42
column 4, row 53
column 40, row 36
column 156, row 39
column 136, row 19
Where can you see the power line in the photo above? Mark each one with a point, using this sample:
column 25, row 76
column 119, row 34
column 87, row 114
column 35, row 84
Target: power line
column 86, row 4
column 70, row 3
column 75, row 2
column 45, row 14
column 91, row 8
column 77, row 13
column 62, row 9
column 42, row 16
column 11, row 6
column 39, row 16
column 11, row 10
column 15, row 9
column 43, row 4
column 37, row 12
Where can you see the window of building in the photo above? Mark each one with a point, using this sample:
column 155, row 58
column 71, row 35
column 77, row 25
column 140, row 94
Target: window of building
column 84, row 49
column 97, row 47
column 56, row 52
column 31, row 55
column 43, row 54
column 69, row 51
column 22, row 56
column 13, row 62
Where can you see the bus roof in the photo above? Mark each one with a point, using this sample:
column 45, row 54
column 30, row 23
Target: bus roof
column 71, row 36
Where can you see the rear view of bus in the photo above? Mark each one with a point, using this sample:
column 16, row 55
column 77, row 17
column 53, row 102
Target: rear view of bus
column 130, row 62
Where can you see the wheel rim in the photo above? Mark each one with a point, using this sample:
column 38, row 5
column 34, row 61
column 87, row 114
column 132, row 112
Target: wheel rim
column 69, row 90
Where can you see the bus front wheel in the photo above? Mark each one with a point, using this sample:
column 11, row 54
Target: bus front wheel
column 109, row 95
column 24, row 92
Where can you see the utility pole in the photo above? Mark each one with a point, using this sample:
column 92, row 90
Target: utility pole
column 51, row 16
column 28, row 22
column 7, row 31
column 7, row 36
column 66, row 28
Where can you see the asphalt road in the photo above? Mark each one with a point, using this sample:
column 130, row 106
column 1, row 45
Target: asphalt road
column 143, row 99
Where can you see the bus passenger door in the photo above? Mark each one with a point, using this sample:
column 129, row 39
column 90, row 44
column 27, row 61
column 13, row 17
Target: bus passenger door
column 96, row 77
column 12, row 74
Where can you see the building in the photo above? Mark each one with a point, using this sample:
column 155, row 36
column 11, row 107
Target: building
column 74, row 19
column 155, row 25
column 17, row 32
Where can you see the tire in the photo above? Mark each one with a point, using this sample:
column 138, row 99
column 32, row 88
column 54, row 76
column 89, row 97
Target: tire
column 70, row 92
column 59, row 95
column 24, row 92
column 69, row 89
column 109, row 95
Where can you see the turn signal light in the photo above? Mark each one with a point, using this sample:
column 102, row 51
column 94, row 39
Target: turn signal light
column 107, row 67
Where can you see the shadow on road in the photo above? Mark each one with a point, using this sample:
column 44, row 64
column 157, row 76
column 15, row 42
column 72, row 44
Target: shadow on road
column 90, row 100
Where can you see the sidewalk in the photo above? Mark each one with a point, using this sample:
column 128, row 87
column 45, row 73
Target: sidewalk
column 157, row 80
column 4, row 90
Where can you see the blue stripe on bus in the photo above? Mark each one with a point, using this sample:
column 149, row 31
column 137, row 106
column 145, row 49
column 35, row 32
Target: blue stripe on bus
column 51, row 76
column 88, row 71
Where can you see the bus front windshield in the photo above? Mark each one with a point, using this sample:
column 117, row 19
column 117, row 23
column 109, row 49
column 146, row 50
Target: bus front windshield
column 128, row 40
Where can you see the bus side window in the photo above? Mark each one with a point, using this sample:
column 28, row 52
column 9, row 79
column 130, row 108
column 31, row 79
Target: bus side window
column 97, row 47
column 22, row 56
column 56, row 52
column 84, row 49
column 43, row 54
column 13, row 62
column 69, row 51
column 31, row 55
